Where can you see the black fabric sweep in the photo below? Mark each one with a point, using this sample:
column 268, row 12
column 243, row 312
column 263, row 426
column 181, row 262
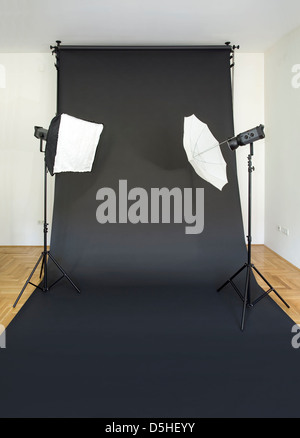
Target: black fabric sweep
column 149, row 336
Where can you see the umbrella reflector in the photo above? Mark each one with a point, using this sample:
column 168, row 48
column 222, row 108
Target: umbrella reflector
column 203, row 152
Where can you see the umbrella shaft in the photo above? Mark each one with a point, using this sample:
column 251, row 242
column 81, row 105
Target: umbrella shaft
column 207, row 150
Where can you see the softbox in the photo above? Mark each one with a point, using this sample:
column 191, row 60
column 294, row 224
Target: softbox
column 71, row 144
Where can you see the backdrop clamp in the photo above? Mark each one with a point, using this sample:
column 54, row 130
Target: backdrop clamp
column 55, row 50
column 233, row 48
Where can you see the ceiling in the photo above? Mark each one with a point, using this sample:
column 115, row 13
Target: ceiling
column 255, row 25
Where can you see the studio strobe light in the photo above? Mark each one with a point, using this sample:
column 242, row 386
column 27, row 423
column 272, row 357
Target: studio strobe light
column 71, row 146
column 204, row 154
column 246, row 137
column 249, row 137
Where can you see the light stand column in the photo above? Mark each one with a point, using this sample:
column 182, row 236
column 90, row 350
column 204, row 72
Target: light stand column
column 45, row 261
column 247, row 295
column 249, row 266
column 44, row 257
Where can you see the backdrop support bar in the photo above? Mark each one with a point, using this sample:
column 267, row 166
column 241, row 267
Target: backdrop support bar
column 213, row 47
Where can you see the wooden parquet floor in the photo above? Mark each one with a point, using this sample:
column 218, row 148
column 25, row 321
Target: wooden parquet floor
column 17, row 262
column 282, row 275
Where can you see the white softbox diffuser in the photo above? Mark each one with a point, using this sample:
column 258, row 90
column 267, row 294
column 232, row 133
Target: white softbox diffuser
column 71, row 144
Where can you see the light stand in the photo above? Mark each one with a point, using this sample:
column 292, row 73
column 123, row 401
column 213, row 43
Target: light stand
column 249, row 266
column 45, row 255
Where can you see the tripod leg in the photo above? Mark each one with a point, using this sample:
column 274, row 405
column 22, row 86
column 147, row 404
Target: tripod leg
column 249, row 286
column 28, row 280
column 42, row 267
column 63, row 272
column 270, row 286
column 246, row 298
column 232, row 278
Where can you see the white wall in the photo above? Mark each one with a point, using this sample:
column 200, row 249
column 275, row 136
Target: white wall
column 29, row 99
column 282, row 98
column 248, row 113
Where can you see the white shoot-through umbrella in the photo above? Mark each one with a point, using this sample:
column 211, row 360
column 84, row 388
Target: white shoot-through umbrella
column 203, row 152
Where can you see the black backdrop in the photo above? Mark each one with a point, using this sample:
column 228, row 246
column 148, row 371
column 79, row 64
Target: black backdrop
column 142, row 96
column 134, row 344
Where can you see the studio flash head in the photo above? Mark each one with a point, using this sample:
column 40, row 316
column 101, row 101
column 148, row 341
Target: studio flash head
column 246, row 137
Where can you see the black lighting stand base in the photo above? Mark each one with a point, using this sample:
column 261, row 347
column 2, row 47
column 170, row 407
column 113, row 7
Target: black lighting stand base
column 45, row 255
column 249, row 266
